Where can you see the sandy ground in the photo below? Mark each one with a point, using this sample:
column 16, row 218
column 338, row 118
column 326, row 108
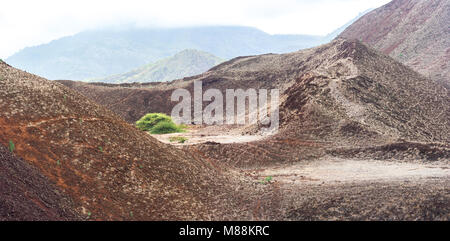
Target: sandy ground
column 335, row 170
column 332, row 188
column 326, row 170
column 346, row 189
column 219, row 134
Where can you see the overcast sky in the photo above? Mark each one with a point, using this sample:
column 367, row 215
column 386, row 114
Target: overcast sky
column 29, row 22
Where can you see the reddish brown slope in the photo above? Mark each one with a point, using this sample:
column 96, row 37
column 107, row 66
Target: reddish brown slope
column 110, row 169
column 414, row 32
column 25, row 194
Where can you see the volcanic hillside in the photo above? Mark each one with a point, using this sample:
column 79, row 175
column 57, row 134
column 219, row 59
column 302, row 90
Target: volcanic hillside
column 107, row 167
column 25, row 194
column 414, row 32
column 356, row 101
column 132, row 100
column 337, row 96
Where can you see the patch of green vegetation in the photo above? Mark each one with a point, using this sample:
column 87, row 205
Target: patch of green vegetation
column 58, row 163
column 179, row 139
column 100, row 148
column 158, row 123
column 12, row 147
column 166, row 128
column 267, row 180
column 148, row 121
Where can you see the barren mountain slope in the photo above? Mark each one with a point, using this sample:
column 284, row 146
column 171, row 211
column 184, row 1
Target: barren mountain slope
column 414, row 32
column 359, row 93
column 356, row 102
column 132, row 101
column 25, row 194
column 362, row 136
column 339, row 95
column 110, row 169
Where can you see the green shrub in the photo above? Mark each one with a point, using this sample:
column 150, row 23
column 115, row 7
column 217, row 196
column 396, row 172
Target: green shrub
column 158, row 123
column 267, row 180
column 12, row 147
column 148, row 121
column 165, row 128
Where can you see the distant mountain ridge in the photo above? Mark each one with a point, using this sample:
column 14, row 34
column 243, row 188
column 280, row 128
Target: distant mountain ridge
column 188, row 62
column 105, row 52
column 338, row 31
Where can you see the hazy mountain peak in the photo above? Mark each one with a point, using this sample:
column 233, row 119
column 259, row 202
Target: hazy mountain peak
column 104, row 52
column 183, row 64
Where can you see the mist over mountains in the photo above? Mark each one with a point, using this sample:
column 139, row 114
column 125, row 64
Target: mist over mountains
column 188, row 62
column 105, row 52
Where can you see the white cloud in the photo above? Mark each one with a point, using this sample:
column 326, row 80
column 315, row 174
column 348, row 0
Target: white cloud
column 27, row 22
